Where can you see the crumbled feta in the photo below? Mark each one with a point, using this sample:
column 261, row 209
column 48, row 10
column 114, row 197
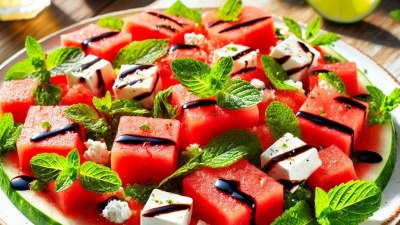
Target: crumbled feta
column 296, row 84
column 117, row 211
column 326, row 85
column 258, row 84
column 97, row 152
column 193, row 147
column 195, row 39
column 267, row 94
column 244, row 57
column 201, row 222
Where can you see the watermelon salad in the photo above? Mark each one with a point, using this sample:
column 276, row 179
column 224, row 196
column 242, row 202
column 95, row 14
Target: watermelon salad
column 187, row 117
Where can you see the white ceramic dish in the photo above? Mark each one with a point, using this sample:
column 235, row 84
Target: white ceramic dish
column 389, row 213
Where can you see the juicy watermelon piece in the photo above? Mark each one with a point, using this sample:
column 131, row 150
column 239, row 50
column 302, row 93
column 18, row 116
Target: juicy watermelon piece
column 336, row 168
column 200, row 124
column 258, row 22
column 142, row 163
column 216, row 207
column 347, row 71
column 340, row 122
column 106, row 48
column 61, row 144
column 79, row 93
column 16, row 97
column 156, row 25
column 294, row 99
column 264, row 134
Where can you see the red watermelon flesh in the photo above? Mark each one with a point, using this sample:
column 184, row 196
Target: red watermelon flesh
column 16, row 97
column 142, row 163
column 264, row 134
column 215, row 207
column 106, row 48
column 61, row 144
column 347, row 71
column 323, row 104
column 258, row 22
column 336, row 168
column 156, row 25
column 201, row 124
column 79, row 93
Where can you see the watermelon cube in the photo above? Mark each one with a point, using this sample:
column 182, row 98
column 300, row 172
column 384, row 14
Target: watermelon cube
column 264, row 135
column 336, row 168
column 145, row 150
column 328, row 118
column 156, row 25
column 202, row 119
column 246, row 31
column 16, row 97
column 98, row 41
column 79, row 93
column 62, row 136
column 217, row 207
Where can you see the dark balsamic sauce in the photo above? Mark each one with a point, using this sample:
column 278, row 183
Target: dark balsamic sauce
column 21, row 183
column 165, row 26
column 149, row 93
column 367, row 156
column 278, row 158
column 89, row 64
column 244, row 70
column 244, row 24
column 295, row 70
column 231, row 187
column 316, row 72
column 351, row 102
column 199, row 103
column 216, row 23
column 242, row 53
column 85, row 43
column 298, row 69
column 100, row 82
column 283, row 59
column 165, row 209
column 133, row 69
column 362, row 97
column 134, row 139
column 52, row 133
column 164, row 17
column 181, row 46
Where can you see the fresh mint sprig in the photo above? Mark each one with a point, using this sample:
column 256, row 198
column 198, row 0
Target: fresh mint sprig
column 139, row 192
column 9, row 133
column 204, row 81
column 231, row 10
column 299, row 214
column 98, row 178
column 275, row 73
column 333, row 79
column 281, row 119
column 381, row 105
column 180, row 9
column 162, row 106
column 70, row 172
column 111, row 23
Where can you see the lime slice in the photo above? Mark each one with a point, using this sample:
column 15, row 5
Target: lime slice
column 344, row 11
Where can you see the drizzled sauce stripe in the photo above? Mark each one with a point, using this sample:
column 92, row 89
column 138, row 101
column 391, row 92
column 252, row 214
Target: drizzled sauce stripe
column 278, row 158
column 135, row 139
column 52, row 133
column 244, row 24
column 85, row 43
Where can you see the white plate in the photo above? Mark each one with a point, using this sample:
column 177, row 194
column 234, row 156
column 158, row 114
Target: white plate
column 390, row 208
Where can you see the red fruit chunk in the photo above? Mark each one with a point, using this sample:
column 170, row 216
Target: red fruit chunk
column 216, row 207
column 336, row 168
column 156, row 25
column 142, row 163
column 264, row 134
column 61, row 144
column 106, row 48
column 79, row 93
column 16, row 97
column 255, row 28
column 294, row 99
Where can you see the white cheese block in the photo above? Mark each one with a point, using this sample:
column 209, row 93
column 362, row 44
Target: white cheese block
column 297, row 167
column 94, row 72
column 296, row 57
column 97, row 152
column 195, row 39
column 243, row 57
column 117, row 211
column 156, row 212
column 138, row 82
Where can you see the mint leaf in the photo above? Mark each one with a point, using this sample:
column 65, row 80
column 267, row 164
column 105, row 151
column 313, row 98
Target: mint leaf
column 127, row 107
column 20, row 70
column 61, row 55
column 162, row 105
column 111, row 23
column 279, row 35
column 321, row 205
column 220, row 74
column 293, row 27
column 142, row 52
column 333, row 79
column 300, row 214
column 350, row 203
column 103, row 104
column 380, row 105
column 325, row 39
column 393, row 100
column 302, row 193
column 238, row 94
column 180, row 9
column 395, row 14
column 281, row 119
column 47, row 166
column 231, row 10
column 72, row 62
column 47, row 94
column 193, row 74
column 331, row 59
column 98, row 178
column 313, row 28
column 70, row 174
column 139, row 192
column 9, row 133
column 275, row 73
column 34, row 49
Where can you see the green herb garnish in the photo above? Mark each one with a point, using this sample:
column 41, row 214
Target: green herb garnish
column 111, row 23
column 333, row 79
column 139, row 192
column 70, row 172
column 395, row 14
column 281, row 119
column 9, row 133
column 144, row 127
column 299, row 214
column 331, row 59
column 162, row 106
column 98, row 178
column 381, row 105
column 230, row 11
column 275, row 73
column 180, row 9
column 46, row 125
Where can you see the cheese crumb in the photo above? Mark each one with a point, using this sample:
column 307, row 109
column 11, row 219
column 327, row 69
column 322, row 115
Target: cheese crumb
column 258, row 84
column 193, row 147
column 117, row 211
column 296, row 84
column 97, row 152
column 195, row 39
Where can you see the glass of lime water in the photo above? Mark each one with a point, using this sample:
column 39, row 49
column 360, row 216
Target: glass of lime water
column 21, row 9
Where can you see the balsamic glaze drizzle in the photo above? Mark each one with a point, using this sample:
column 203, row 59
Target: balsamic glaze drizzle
column 244, row 70
column 52, row 133
column 181, row 46
column 350, row 102
column 242, row 53
column 231, row 187
column 198, row 103
column 100, row 82
column 165, row 209
column 134, row 139
column 298, row 69
column 162, row 16
column 89, row 64
column 367, row 156
column 316, row 72
column 165, row 26
column 283, row 59
column 244, row 24
column 85, row 43
column 21, row 183
column 278, row 158
column 133, row 69
column 149, row 93
column 216, row 23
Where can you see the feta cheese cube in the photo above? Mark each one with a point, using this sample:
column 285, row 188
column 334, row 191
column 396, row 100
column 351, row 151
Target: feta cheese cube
column 195, row 39
column 95, row 73
column 164, row 208
column 97, row 152
column 138, row 82
column 296, row 57
column 117, row 211
column 290, row 159
column 244, row 58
